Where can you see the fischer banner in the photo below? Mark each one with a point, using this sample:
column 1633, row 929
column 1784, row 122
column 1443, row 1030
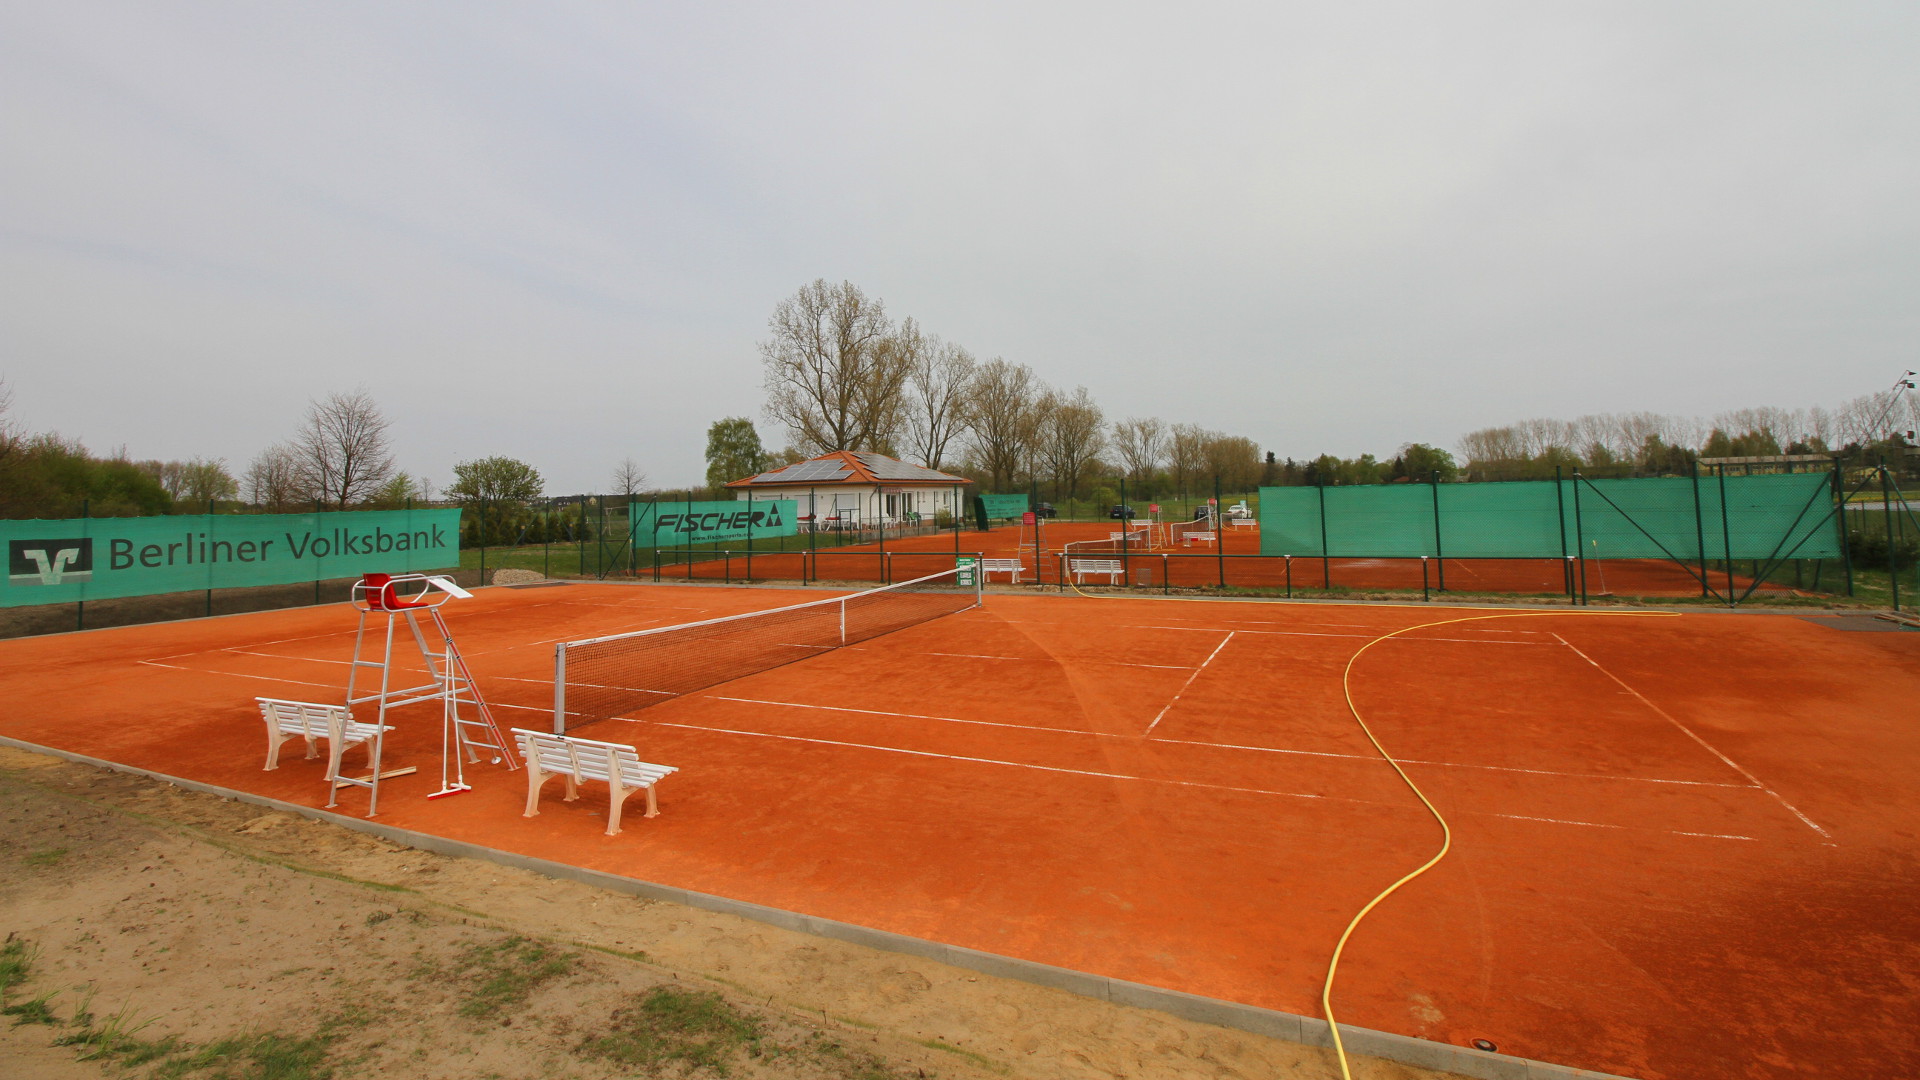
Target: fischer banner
column 664, row 524
column 59, row 562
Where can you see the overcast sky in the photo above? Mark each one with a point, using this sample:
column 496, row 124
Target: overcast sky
column 556, row 231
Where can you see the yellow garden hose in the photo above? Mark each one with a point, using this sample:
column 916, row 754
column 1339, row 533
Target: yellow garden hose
column 1446, row 833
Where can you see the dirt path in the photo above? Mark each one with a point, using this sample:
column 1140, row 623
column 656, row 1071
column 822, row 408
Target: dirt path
column 259, row 940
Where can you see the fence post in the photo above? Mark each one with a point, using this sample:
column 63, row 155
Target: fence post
column 316, row 565
column 80, row 606
column 749, row 536
column 1726, row 534
column 1579, row 536
column 209, row 564
column 1439, row 553
column 1560, row 504
column 1219, row 531
column 1326, row 564
column 1886, row 507
column 1700, row 529
column 1840, row 492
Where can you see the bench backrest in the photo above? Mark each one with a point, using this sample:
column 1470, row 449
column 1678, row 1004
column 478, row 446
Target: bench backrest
column 1096, row 566
column 302, row 717
column 1001, row 564
column 587, row 759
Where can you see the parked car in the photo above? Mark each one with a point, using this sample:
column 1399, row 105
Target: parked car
column 1044, row 510
column 1123, row 513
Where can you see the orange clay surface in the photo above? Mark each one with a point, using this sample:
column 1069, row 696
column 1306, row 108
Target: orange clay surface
column 1203, row 564
column 1684, row 846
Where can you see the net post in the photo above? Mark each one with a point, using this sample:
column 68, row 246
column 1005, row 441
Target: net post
column 1425, row 594
column 843, row 621
column 560, row 688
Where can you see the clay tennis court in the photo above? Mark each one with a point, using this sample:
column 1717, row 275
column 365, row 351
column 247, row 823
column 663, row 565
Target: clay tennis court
column 1232, row 559
column 1684, row 846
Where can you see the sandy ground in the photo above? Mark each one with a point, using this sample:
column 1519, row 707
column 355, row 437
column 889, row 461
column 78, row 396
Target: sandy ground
column 205, row 919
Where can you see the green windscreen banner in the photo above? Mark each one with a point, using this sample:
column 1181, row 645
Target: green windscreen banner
column 1781, row 516
column 59, row 562
column 1004, row 506
column 664, row 524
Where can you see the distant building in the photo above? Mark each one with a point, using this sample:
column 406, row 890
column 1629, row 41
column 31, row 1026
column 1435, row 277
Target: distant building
column 850, row 489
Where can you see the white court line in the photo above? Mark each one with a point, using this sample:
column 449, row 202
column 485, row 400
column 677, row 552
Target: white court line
column 1710, row 748
column 1457, row 765
column 238, row 675
column 1123, row 776
column 1221, row 746
column 1183, row 686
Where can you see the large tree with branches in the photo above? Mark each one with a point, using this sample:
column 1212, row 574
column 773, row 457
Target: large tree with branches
column 342, row 449
column 834, row 368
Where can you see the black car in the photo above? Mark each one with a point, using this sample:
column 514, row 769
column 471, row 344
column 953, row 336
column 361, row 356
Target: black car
column 1044, row 510
column 1122, row 513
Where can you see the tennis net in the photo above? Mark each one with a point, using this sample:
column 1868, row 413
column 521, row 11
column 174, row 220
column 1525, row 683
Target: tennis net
column 599, row 678
column 1133, row 538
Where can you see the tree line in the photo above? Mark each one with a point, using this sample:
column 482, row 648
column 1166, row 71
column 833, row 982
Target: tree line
column 841, row 374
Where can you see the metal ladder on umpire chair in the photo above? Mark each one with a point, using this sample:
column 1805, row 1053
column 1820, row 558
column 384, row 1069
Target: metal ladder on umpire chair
column 465, row 738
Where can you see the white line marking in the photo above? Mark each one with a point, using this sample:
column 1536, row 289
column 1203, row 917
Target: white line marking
column 919, row 716
column 1189, row 682
column 238, row 675
column 1457, row 764
column 1221, row 746
column 1108, row 775
column 1710, row 748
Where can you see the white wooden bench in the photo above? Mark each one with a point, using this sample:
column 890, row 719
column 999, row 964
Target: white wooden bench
column 614, row 764
column 309, row 721
column 1193, row 538
column 1081, row 569
column 1013, row 568
column 1244, row 522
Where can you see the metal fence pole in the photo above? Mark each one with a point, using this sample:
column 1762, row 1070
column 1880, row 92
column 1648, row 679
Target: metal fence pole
column 1579, row 536
column 1560, row 505
column 1219, row 531
column 80, row 606
column 1893, row 561
column 1326, row 564
column 1840, row 492
column 1439, row 553
column 1726, row 534
column 1700, row 530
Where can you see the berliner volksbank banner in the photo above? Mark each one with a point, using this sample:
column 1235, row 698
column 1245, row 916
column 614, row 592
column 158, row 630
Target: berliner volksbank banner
column 664, row 524
column 58, row 562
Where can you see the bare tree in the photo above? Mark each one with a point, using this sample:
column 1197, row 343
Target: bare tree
column 1004, row 408
column 629, row 478
column 1187, row 454
column 1072, row 432
column 942, row 381
column 834, row 368
column 342, row 449
column 1235, row 459
column 1141, row 442
column 273, row 480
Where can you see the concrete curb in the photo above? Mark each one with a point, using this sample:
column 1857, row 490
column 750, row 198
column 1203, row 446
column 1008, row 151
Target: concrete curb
column 1288, row 1027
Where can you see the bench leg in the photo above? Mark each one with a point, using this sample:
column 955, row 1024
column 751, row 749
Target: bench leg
column 653, row 805
column 274, row 739
column 573, row 787
column 535, row 780
column 616, row 798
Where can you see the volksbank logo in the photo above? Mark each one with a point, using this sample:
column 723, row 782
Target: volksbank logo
column 50, row 562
